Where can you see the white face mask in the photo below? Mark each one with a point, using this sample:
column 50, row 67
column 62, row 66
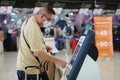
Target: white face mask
column 47, row 24
column 53, row 17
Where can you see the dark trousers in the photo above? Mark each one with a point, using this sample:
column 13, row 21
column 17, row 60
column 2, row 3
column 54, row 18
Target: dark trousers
column 21, row 76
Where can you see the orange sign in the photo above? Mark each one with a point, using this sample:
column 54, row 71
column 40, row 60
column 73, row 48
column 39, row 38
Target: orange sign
column 103, row 35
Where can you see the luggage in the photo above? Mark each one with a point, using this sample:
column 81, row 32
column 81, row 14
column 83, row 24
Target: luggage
column 42, row 76
column 37, row 72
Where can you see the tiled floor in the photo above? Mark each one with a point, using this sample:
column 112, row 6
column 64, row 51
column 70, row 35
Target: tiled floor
column 110, row 68
column 8, row 66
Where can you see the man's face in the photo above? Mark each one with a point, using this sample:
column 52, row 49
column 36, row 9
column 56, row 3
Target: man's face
column 41, row 19
column 44, row 11
column 46, row 17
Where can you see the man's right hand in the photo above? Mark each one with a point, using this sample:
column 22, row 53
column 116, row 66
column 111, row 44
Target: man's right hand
column 63, row 63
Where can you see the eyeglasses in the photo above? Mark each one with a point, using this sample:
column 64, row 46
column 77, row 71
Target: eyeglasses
column 43, row 14
column 47, row 17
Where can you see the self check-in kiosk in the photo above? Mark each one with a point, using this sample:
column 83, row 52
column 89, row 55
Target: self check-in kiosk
column 71, row 72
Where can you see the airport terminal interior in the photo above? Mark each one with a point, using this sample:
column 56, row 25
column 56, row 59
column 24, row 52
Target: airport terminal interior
column 84, row 33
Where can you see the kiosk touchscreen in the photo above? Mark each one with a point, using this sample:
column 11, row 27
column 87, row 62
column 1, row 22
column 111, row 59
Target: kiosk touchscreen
column 77, row 49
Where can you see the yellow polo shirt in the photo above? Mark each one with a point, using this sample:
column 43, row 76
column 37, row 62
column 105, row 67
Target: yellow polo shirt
column 34, row 38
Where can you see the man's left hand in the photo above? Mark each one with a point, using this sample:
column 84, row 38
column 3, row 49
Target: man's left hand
column 49, row 48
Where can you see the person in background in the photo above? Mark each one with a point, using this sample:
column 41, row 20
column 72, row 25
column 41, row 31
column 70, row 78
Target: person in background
column 58, row 31
column 59, row 37
column 75, row 34
column 1, row 40
column 74, row 39
column 52, row 30
column 31, row 32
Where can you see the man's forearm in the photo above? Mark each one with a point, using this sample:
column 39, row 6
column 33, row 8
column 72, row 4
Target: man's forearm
column 48, row 57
